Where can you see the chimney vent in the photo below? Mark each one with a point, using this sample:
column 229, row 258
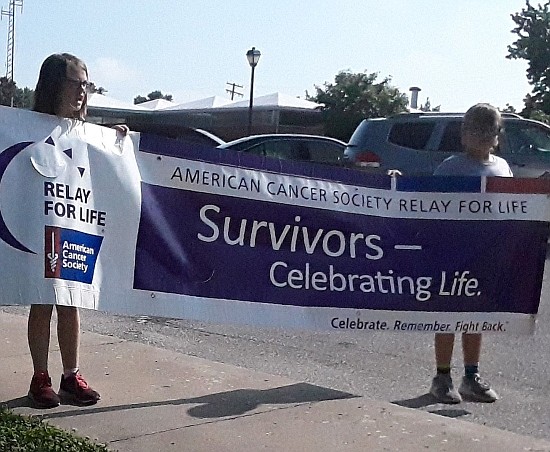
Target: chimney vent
column 414, row 97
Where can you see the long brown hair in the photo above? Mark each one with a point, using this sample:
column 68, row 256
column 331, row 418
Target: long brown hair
column 47, row 95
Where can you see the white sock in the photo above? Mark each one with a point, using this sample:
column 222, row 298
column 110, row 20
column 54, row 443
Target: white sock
column 68, row 372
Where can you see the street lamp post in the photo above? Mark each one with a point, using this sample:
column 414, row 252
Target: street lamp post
column 253, row 57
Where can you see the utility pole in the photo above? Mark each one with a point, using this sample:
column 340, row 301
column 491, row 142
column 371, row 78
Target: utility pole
column 232, row 91
column 11, row 37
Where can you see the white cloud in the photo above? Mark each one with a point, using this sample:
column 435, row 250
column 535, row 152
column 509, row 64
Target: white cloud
column 120, row 80
column 109, row 70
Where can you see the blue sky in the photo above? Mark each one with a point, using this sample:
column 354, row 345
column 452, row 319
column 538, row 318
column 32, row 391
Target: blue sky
column 454, row 50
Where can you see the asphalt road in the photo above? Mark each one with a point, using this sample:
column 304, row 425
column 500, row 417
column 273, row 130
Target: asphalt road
column 394, row 367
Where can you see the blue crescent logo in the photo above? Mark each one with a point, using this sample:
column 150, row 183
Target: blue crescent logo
column 5, row 159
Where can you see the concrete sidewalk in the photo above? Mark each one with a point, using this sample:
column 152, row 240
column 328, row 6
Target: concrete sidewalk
column 158, row 400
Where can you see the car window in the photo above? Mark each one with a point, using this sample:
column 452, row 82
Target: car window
column 245, row 145
column 257, row 149
column 527, row 138
column 451, row 139
column 325, row 152
column 281, row 149
column 414, row 135
column 299, row 149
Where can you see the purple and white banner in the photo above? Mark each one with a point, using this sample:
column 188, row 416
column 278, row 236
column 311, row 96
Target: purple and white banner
column 147, row 225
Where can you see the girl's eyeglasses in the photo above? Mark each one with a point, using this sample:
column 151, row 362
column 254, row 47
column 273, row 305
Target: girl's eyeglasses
column 83, row 84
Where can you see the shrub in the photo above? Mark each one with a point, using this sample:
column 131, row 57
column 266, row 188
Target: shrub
column 30, row 434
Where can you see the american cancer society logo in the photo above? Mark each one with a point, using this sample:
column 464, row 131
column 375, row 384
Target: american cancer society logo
column 70, row 254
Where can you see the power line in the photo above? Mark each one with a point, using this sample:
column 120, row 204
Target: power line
column 233, row 91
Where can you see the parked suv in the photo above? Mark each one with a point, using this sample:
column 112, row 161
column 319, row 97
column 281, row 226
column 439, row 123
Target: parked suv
column 416, row 143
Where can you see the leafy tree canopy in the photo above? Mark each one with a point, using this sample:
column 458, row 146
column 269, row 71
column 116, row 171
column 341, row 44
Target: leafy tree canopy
column 140, row 99
column 533, row 45
column 22, row 98
column 152, row 96
column 7, row 90
column 97, row 89
column 354, row 97
column 428, row 106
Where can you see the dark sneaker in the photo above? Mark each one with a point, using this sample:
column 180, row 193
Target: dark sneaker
column 41, row 392
column 475, row 389
column 443, row 390
column 74, row 390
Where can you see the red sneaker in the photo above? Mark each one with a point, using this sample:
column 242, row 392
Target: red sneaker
column 75, row 390
column 41, row 392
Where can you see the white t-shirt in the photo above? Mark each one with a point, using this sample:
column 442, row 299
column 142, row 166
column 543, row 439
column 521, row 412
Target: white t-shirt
column 464, row 165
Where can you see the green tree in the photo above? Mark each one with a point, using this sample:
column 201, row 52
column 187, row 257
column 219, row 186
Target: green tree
column 532, row 110
column 533, row 45
column 140, row 99
column 354, row 97
column 7, row 91
column 428, row 106
column 22, row 98
column 152, row 96
column 97, row 89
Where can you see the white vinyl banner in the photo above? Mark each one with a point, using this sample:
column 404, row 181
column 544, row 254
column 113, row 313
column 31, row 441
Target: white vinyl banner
column 69, row 203
column 146, row 225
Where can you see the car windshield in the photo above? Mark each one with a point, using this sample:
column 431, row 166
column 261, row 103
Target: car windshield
column 527, row 137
